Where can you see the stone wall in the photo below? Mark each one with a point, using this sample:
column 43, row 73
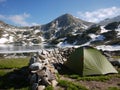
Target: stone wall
column 43, row 67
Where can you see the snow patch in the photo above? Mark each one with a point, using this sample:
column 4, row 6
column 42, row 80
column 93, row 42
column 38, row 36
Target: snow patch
column 96, row 37
column 93, row 36
column 3, row 40
column 64, row 44
column 11, row 39
column 108, row 47
column 37, row 31
column 5, row 35
column 100, row 37
column 118, row 30
column 42, row 39
column 103, row 30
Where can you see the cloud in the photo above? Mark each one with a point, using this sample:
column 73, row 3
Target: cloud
column 100, row 14
column 18, row 19
column 2, row 16
column 1, row 1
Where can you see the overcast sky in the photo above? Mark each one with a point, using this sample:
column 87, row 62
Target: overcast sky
column 33, row 12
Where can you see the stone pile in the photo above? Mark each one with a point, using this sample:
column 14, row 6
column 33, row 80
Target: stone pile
column 42, row 67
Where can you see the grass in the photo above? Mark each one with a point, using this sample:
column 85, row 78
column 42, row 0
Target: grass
column 13, row 63
column 49, row 88
column 70, row 85
column 14, row 74
column 113, row 88
column 90, row 78
column 116, row 57
column 4, row 72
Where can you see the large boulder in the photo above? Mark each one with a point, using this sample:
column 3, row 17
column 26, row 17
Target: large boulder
column 35, row 66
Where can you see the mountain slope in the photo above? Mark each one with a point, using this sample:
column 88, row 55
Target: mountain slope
column 64, row 30
column 109, row 20
column 18, row 35
column 64, row 25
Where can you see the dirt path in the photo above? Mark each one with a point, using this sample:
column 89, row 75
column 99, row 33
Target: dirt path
column 96, row 85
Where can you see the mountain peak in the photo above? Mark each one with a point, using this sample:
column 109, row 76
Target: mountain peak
column 65, row 21
column 66, row 15
column 68, row 19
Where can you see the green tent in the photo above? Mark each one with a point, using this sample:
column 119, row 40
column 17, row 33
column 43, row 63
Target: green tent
column 89, row 61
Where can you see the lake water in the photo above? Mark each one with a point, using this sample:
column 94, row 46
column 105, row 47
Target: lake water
column 23, row 49
column 19, row 49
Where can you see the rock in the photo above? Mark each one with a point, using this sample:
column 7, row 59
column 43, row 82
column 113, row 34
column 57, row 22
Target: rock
column 35, row 66
column 43, row 64
column 54, row 83
column 33, row 78
column 42, row 57
column 46, row 75
column 32, row 60
column 43, row 75
column 115, row 63
column 41, row 87
column 44, row 52
column 64, row 59
column 34, row 86
column 56, row 50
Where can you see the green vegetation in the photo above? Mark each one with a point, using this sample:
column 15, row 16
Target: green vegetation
column 115, row 41
column 49, row 88
column 13, row 63
column 91, row 78
column 110, row 35
column 97, row 42
column 4, row 72
column 71, row 86
column 14, row 74
column 116, row 57
column 95, row 30
column 54, row 41
column 113, row 88
column 112, row 26
column 81, row 39
column 101, row 78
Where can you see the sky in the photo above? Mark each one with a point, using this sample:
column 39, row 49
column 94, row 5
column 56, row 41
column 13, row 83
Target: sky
column 39, row 12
